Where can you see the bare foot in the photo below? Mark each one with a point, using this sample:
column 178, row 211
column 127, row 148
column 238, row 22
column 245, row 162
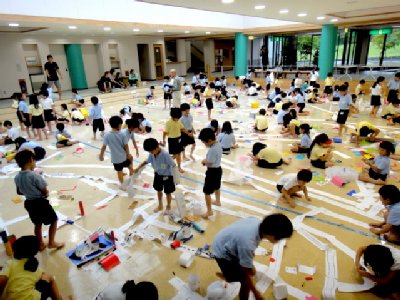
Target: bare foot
column 185, row 158
column 181, row 170
column 158, row 209
column 207, row 214
column 42, row 246
column 217, row 203
column 56, row 246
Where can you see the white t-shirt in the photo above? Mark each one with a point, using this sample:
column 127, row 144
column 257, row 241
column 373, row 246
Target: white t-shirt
column 314, row 77
column 376, row 91
column 47, row 103
column 112, row 292
column 13, row 133
column 298, row 82
column 288, row 181
column 252, row 90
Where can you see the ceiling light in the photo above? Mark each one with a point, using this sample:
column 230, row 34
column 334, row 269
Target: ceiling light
column 302, row 15
column 187, row 31
column 227, row 1
column 136, row 29
column 208, row 32
column 107, row 28
column 259, row 7
column 72, row 27
column 321, row 18
column 334, row 20
column 283, row 11
column 160, row 30
column 13, row 24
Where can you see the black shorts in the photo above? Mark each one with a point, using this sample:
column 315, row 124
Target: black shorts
column 301, row 106
column 27, row 121
column 271, row 104
column 186, row 140
column 279, row 188
column 226, row 150
column 209, row 104
column 375, row 100
column 335, row 99
column 396, row 120
column 297, row 130
column 40, row 211
column 98, row 124
column 318, row 163
column 120, row 166
column 38, row 122
column 147, row 129
column 19, row 116
column 165, row 183
column 187, row 92
column 63, row 142
column 44, row 288
column 193, row 86
column 40, row 153
column 229, row 104
column 8, row 141
column 78, row 120
column 262, row 163
column 268, row 87
column 174, row 145
column 343, row 114
column 212, row 182
column 48, row 115
column 303, row 150
column 167, row 96
column 312, row 83
column 376, row 176
column 63, row 120
column 202, row 89
column 328, row 90
column 392, row 96
column 232, row 270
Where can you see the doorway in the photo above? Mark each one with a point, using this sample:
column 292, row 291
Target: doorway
column 58, row 53
column 159, row 61
column 144, row 61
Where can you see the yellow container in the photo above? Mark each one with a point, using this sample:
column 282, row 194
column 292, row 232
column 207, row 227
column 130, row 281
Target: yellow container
column 255, row 104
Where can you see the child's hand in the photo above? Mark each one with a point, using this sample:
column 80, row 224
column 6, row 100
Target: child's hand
column 101, row 157
column 374, row 230
column 203, row 162
column 130, row 157
column 308, row 199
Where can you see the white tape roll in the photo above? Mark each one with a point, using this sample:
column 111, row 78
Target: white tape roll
column 186, row 259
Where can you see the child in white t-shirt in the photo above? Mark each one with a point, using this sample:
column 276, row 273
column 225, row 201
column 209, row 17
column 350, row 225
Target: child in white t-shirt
column 292, row 183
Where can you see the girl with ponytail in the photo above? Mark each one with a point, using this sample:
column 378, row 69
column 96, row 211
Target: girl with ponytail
column 321, row 152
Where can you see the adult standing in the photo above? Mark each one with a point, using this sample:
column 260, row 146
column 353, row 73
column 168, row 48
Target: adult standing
column 53, row 74
column 264, row 56
column 176, row 82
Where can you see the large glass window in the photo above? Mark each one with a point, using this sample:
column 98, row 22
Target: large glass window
column 308, row 50
column 384, row 49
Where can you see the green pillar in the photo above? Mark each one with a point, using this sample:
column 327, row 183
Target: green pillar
column 327, row 48
column 75, row 66
column 240, row 54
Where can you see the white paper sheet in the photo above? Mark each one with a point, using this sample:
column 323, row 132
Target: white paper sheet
column 291, row 270
column 355, row 287
column 306, row 269
column 331, row 273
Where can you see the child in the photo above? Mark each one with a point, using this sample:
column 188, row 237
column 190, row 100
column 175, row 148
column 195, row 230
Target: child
column 133, row 78
column 12, row 134
column 22, row 144
column 208, row 94
column 212, row 182
column 265, row 157
column 173, row 129
column 267, row 81
column 376, row 94
column 23, row 111
column 394, row 87
column 392, row 113
column 291, row 125
column 22, row 278
column 336, row 94
column 273, row 94
column 48, row 109
column 279, row 81
column 314, row 76
column 145, row 125
column 163, row 167
column 292, row 183
column 63, row 137
column 186, row 140
column 298, row 82
column 167, row 92
column 186, row 88
column 390, row 227
column 34, row 188
column 378, row 169
column 364, row 129
column 150, row 93
column 129, row 132
column 120, row 155
column 196, row 102
column 281, row 113
column 77, row 117
column 344, row 108
column 232, row 102
column 96, row 117
column 383, row 265
column 261, row 121
column 226, row 138
column 77, row 99
column 329, row 82
column 252, row 90
column 36, row 116
column 353, row 107
column 301, row 103
column 321, row 152
column 215, row 127
column 65, row 115
column 359, row 91
column 305, row 140
column 129, row 290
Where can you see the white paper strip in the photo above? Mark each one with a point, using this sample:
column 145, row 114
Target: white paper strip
column 329, row 290
column 355, row 287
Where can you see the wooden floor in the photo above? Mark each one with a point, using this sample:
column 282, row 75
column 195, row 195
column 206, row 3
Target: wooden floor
column 87, row 179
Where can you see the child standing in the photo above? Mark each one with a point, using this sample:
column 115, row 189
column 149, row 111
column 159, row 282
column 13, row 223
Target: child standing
column 167, row 92
column 96, row 117
column 329, row 82
column 120, row 155
column 129, row 133
column 265, row 157
column 23, row 110
column 212, row 182
column 63, row 137
column 163, row 172
column 208, row 94
column 48, row 109
column 321, row 152
column 378, row 169
column 376, row 94
column 267, row 82
column 173, row 129
column 226, row 138
column 390, row 227
column 292, row 183
column 305, row 140
column 344, row 108
column 359, row 91
column 187, row 121
column 394, row 88
column 261, row 121
column 36, row 116
column 34, row 188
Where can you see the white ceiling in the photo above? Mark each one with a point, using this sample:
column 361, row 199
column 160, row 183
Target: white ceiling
column 349, row 10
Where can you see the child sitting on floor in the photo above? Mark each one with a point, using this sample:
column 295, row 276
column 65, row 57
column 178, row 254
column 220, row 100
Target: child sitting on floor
column 77, row 117
column 305, row 140
column 390, row 227
column 291, row 125
column 12, row 134
column 215, row 127
column 77, row 99
column 129, row 290
column 261, row 121
column 65, row 115
column 321, row 152
column 378, row 169
column 265, row 157
column 63, row 137
column 226, row 138
column 232, row 102
column 145, row 125
column 281, row 113
column 292, row 183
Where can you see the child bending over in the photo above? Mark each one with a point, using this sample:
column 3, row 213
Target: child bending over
column 265, row 157
column 292, row 183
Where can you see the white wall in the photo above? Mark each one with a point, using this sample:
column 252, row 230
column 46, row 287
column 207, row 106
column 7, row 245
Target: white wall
column 13, row 57
column 188, row 54
column 209, row 54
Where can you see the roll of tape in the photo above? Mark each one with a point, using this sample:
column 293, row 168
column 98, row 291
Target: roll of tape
column 186, row 259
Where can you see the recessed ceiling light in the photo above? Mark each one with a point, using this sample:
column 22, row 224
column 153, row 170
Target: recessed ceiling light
column 187, row 31
column 302, row 15
column 259, row 7
column 72, row 27
column 136, row 29
column 321, row 18
column 208, row 32
column 283, row 11
column 13, row 24
column 160, row 30
column 227, row 1
column 334, row 20
column 107, row 28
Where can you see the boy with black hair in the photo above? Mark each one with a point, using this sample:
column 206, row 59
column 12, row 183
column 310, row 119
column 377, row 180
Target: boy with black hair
column 390, row 227
column 173, row 129
column 163, row 166
column 96, row 117
column 129, row 132
column 145, row 125
column 212, row 182
column 345, row 102
column 150, row 93
column 63, row 137
column 187, row 121
column 12, row 134
column 364, row 130
column 235, row 245
column 292, row 183
column 34, row 188
column 77, row 99
column 120, row 155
